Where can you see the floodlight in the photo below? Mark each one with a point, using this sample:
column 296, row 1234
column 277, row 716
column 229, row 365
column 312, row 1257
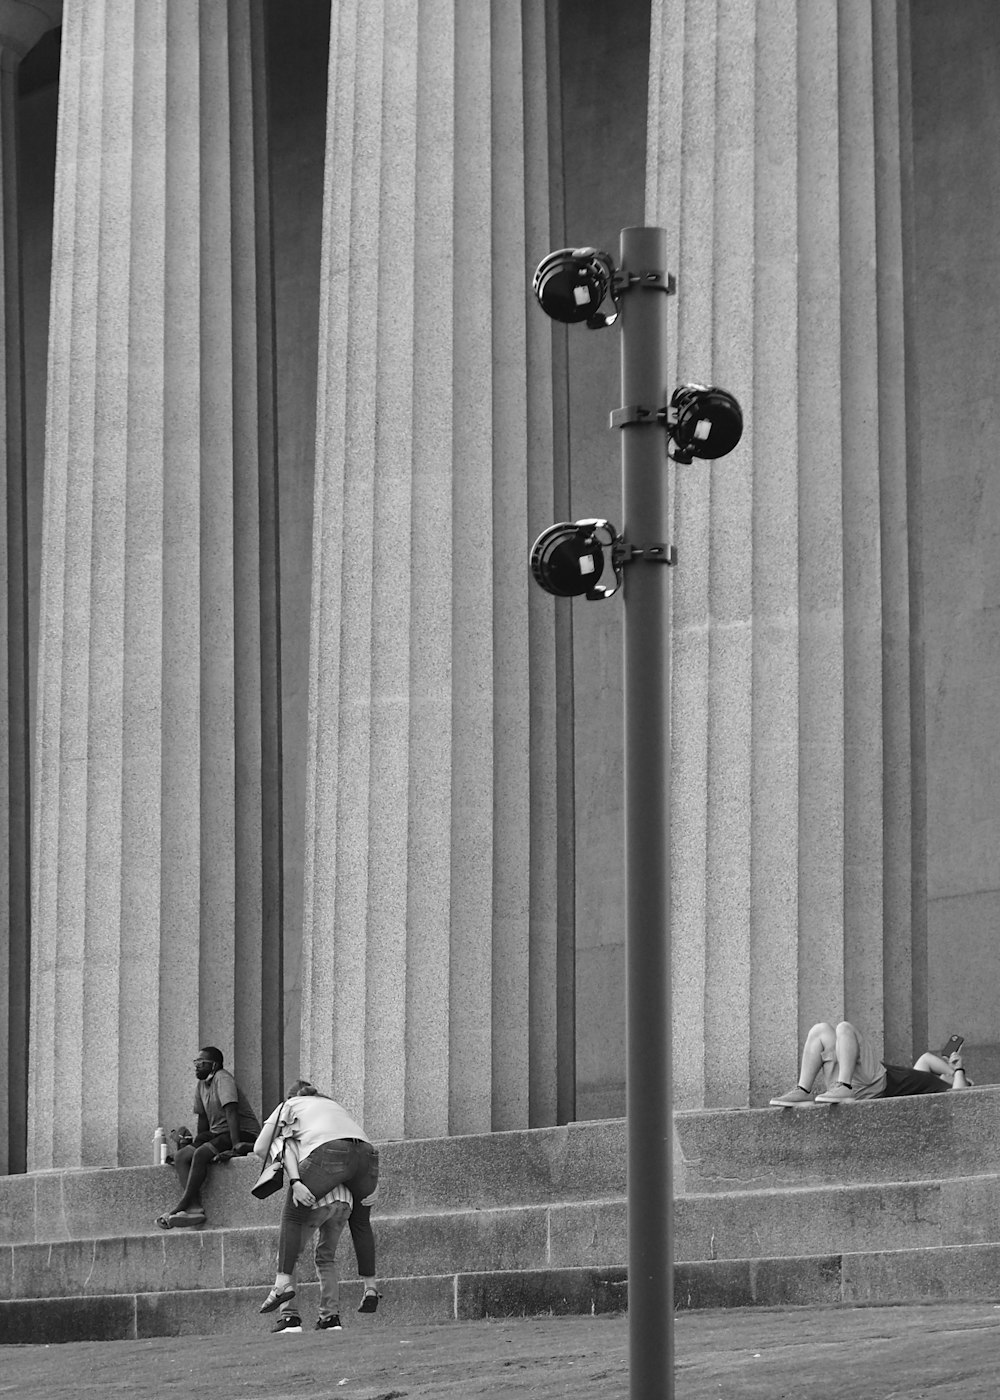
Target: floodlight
column 702, row 422
column 568, row 559
column 571, row 284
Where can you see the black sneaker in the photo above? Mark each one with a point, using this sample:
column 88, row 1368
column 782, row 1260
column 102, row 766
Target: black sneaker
column 288, row 1322
column 329, row 1324
column 369, row 1303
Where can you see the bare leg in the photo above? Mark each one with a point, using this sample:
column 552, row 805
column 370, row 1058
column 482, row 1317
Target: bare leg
column 198, row 1163
column 848, row 1050
column 822, row 1037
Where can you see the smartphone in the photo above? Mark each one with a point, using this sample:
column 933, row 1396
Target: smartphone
column 955, row 1042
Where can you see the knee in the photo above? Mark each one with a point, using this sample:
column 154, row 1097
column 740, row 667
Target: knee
column 204, row 1154
column 820, row 1031
column 845, row 1028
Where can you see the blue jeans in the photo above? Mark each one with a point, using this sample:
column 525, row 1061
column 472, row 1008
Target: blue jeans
column 353, row 1163
column 297, row 1224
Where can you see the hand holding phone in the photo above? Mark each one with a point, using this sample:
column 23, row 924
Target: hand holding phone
column 952, row 1046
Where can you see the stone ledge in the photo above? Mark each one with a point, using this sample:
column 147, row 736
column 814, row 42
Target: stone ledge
column 716, row 1227
column 418, row 1176
column 724, row 1150
column 524, row 1237
column 960, row 1273
column 927, row 1138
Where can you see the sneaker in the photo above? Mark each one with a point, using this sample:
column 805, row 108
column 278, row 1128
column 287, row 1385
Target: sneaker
column 369, row 1303
column 837, row 1093
column 329, row 1324
column 288, row 1322
column 795, row 1098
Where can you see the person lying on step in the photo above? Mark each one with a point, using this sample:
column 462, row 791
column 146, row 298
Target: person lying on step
column 850, row 1071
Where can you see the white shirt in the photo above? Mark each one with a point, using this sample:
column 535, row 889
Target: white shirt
column 312, row 1121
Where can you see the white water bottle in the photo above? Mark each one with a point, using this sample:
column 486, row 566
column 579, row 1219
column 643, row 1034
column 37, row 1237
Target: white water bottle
column 159, row 1148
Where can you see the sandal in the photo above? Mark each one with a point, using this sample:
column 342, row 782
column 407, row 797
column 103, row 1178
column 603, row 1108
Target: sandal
column 164, row 1222
column 179, row 1218
column 275, row 1298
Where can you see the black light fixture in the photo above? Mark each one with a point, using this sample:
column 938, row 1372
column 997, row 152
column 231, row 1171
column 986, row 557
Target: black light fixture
column 572, row 283
column 702, row 422
column 568, row 559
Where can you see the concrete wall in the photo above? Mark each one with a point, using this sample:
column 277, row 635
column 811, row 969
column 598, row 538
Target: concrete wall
column 956, row 125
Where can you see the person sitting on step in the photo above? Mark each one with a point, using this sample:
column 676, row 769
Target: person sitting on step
column 850, row 1071
column 227, row 1127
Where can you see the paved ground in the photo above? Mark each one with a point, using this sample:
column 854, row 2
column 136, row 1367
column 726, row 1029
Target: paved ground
column 907, row 1353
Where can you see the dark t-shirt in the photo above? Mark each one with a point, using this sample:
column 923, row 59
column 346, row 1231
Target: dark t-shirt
column 211, row 1099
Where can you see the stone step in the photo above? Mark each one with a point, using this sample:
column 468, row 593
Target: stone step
column 722, row 1150
column 931, row 1137
column 581, row 1161
column 714, row 1227
column 957, row 1273
column 837, row 1219
column 837, row 1204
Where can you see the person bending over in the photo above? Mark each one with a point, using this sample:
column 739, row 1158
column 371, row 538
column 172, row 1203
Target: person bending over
column 323, row 1148
column 844, row 1062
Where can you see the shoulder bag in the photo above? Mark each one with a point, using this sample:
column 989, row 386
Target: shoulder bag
column 272, row 1174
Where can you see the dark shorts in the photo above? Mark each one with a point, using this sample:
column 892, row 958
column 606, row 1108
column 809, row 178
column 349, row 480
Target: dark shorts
column 901, row 1082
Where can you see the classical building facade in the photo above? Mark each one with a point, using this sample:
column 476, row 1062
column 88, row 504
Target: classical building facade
column 296, row 761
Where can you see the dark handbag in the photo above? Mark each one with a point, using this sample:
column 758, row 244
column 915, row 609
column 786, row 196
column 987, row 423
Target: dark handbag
column 272, row 1176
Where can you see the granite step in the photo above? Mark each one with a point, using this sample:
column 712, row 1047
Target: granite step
column 722, row 1150
column 894, row 1201
column 957, row 1273
column 580, row 1161
column 931, row 1137
column 735, row 1228
column 712, row 1227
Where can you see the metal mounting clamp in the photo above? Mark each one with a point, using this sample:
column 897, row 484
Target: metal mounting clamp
column 635, row 413
column 654, row 279
column 624, row 553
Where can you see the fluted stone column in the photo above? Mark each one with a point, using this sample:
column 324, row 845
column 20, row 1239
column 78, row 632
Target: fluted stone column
column 429, row 994
column 22, row 24
column 774, row 161
column 154, row 923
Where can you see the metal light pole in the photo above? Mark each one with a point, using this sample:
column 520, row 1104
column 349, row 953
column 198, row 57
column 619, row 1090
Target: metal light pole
column 568, row 560
column 647, row 816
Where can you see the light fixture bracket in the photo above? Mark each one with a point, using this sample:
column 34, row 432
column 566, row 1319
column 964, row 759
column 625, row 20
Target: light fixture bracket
column 636, row 413
column 654, row 279
column 623, row 553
